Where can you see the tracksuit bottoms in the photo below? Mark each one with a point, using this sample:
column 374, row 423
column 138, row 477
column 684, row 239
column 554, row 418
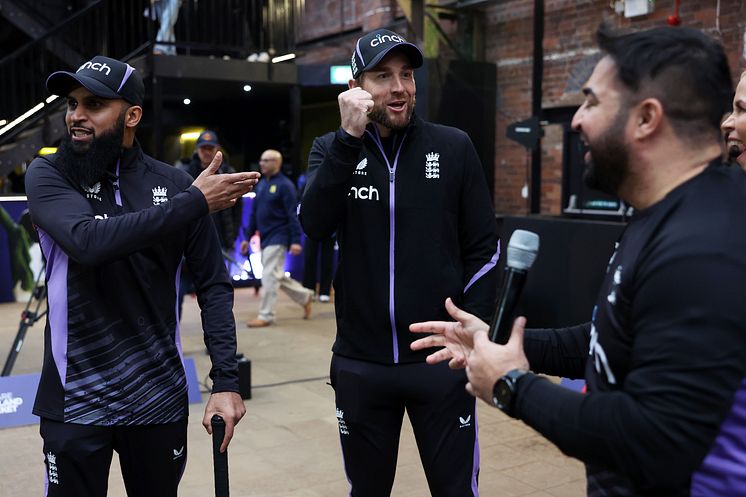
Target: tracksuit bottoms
column 77, row 458
column 370, row 402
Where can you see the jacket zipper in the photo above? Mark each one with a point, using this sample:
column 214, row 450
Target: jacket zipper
column 392, row 191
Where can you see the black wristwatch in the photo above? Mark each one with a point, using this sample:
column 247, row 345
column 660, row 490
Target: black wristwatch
column 503, row 392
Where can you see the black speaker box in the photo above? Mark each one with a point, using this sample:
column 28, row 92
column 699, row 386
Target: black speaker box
column 244, row 377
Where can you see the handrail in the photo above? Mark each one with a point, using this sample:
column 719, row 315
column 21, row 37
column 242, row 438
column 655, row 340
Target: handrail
column 121, row 29
column 52, row 31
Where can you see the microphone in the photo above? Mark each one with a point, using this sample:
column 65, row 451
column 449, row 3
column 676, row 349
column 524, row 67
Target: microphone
column 522, row 250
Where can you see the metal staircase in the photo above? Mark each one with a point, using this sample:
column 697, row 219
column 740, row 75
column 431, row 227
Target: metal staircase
column 122, row 30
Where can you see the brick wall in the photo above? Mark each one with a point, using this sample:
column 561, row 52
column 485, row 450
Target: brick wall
column 325, row 22
column 569, row 56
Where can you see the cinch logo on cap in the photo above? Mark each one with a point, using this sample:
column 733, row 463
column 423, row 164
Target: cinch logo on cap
column 96, row 66
column 386, row 38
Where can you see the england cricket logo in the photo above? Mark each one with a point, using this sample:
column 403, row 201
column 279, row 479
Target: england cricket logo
column 432, row 166
column 159, row 195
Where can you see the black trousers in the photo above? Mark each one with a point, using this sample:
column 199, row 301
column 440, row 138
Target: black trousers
column 318, row 262
column 78, row 457
column 371, row 399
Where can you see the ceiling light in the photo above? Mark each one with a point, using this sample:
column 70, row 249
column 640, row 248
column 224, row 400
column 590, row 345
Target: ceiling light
column 283, row 58
column 246, row 87
column 21, row 118
column 189, row 136
column 187, row 101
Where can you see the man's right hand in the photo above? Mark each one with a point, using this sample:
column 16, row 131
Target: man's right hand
column 223, row 190
column 354, row 105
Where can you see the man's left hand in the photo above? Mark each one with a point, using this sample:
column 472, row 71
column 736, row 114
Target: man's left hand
column 296, row 249
column 489, row 361
column 230, row 407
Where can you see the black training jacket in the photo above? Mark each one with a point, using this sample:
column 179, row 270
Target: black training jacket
column 415, row 225
column 664, row 357
column 114, row 251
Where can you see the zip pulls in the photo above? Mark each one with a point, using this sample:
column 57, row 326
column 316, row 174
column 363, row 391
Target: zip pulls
column 376, row 137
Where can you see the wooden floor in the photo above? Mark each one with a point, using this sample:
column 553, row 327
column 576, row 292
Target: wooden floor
column 288, row 445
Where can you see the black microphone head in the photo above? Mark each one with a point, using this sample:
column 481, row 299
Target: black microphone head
column 522, row 249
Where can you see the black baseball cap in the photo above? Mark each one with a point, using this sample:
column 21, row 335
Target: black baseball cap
column 371, row 48
column 208, row 137
column 102, row 76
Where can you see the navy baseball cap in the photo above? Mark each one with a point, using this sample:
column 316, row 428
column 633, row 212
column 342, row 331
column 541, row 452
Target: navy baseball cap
column 102, row 76
column 371, row 48
column 208, row 137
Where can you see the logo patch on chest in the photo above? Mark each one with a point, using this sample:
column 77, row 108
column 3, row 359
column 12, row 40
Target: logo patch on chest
column 360, row 169
column 160, row 195
column 93, row 191
column 432, row 166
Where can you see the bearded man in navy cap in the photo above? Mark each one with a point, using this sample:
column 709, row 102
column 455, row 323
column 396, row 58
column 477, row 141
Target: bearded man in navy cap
column 113, row 225
column 415, row 225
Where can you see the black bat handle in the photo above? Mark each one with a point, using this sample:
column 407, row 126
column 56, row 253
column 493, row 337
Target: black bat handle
column 220, row 460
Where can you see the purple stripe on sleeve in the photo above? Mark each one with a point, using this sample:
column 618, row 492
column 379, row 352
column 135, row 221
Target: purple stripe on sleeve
column 723, row 471
column 485, row 268
column 56, row 281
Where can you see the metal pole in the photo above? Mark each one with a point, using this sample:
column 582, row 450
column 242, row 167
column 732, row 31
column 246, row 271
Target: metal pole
column 536, row 94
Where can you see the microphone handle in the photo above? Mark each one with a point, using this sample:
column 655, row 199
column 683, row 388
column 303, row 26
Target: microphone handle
column 220, row 460
column 502, row 321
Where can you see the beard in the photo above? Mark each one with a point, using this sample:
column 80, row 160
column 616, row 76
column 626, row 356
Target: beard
column 734, row 152
column 608, row 167
column 378, row 115
column 88, row 164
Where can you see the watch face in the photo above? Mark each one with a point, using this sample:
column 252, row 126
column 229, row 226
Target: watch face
column 502, row 394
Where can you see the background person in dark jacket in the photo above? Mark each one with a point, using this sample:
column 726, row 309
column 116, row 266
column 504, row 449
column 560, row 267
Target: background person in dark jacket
column 227, row 221
column 275, row 219
column 318, row 259
column 415, row 224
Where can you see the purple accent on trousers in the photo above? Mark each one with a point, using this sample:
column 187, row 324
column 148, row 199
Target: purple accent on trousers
column 392, row 232
column 484, row 269
column 723, row 471
column 56, row 281
column 475, row 467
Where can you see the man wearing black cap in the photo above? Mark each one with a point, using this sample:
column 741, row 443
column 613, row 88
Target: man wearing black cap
column 415, row 225
column 227, row 221
column 113, row 225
